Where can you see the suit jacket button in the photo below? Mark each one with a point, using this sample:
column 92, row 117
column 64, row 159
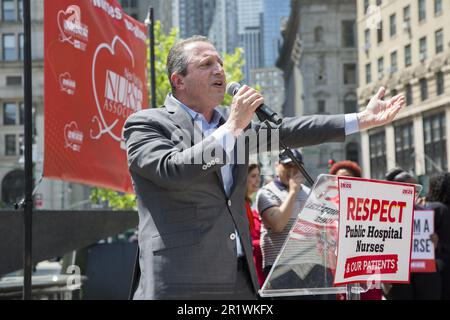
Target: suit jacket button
column 229, row 203
column 232, row 236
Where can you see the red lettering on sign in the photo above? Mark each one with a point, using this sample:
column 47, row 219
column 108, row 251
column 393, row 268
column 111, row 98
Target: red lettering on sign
column 366, row 209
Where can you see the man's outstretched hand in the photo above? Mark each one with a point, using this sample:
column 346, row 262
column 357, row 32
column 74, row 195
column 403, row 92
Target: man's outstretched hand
column 379, row 112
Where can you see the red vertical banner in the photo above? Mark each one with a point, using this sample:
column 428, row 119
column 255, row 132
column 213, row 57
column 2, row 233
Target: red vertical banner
column 95, row 77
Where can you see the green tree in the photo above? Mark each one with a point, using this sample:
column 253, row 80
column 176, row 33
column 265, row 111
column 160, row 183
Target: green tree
column 163, row 42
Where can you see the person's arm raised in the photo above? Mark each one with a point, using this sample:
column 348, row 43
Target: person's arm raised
column 379, row 112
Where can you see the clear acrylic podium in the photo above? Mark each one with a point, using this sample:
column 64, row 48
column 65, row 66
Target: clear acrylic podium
column 307, row 260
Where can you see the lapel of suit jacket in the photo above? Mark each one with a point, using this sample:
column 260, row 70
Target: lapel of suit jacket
column 184, row 121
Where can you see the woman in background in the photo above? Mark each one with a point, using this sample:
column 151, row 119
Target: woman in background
column 440, row 191
column 254, row 220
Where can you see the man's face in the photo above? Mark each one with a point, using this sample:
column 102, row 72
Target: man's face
column 286, row 172
column 204, row 84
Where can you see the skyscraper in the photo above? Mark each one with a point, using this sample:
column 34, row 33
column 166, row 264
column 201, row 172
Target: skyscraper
column 249, row 30
column 223, row 31
column 274, row 13
column 193, row 17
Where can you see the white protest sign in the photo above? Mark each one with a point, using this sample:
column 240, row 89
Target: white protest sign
column 422, row 257
column 375, row 231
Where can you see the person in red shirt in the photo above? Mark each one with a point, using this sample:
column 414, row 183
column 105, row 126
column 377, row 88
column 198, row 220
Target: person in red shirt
column 253, row 183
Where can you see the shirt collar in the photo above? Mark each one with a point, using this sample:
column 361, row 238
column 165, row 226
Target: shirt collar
column 198, row 116
column 279, row 184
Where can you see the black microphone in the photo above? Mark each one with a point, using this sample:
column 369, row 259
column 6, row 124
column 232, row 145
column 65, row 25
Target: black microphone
column 263, row 112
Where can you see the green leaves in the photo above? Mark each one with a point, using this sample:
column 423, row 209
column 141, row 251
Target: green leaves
column 233, row 64
column 113, row 199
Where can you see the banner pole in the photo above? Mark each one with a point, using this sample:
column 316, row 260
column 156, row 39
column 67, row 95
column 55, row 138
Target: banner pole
column 150, row 22
column 28, row 142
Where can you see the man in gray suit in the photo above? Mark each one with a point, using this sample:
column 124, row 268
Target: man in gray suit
column 193, row 231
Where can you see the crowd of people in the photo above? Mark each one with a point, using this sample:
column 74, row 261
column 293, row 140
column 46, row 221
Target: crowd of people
column 277, row 204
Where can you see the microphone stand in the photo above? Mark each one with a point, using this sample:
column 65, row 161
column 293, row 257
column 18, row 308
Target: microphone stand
column 288, row 152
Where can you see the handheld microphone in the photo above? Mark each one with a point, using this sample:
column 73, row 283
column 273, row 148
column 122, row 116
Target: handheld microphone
column 263, row 112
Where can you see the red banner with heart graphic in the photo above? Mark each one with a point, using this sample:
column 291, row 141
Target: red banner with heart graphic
column 95, row 77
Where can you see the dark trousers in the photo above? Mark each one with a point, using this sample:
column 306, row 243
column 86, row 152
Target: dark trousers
column 423, row 286
column 242, row 289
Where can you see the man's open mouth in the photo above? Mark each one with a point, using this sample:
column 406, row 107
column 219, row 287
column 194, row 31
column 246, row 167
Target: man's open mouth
column 219, row 84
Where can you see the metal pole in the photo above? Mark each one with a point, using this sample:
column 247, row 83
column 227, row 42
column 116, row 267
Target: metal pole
column 28, row 155
column 288, row 152
column 150, row 21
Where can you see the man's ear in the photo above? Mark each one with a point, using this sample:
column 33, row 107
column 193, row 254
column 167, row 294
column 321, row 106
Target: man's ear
column 177, row 81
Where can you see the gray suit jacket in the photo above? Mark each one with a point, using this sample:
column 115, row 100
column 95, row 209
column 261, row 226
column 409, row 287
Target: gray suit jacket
column 186, row 220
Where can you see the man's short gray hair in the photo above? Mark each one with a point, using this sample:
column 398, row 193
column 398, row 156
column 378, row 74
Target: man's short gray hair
column 177, row 60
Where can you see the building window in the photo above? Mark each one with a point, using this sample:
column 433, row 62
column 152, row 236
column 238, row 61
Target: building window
column 423, row 89
column 9, row 47
column 13, row 80
column 21, row 144
column 437, row 7
column 408, row 94
column 21, row 113
column 9, row 12
column 348, row 34
column 422, row 10
column 349, row 73
column 21, row 10
column 21, row 46
column 404, row 147
column 392, row 25
column 380, row 68
column 352, row 152
column 366, row 6
column 368, row 73
column 423, row 48
column 129, row 3
column 439, row 40
column 439, row 83
column 321, row 106
column 394, row 92
column 435, row 143
column 318, row 34
column 367, row 39
column 350, row 105
column 10, row 145
column 9, row 114
column 377, row 145
column 13, row 185
column 407, row 13
column 380, row 33
column 394, row 66
column 408, row 58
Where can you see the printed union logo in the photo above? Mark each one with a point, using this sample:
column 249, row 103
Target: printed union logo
column 73, row 136
column 118, row 91
column 407, row 191
column 346, row 185
column 71, row 29
column 67, row 84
